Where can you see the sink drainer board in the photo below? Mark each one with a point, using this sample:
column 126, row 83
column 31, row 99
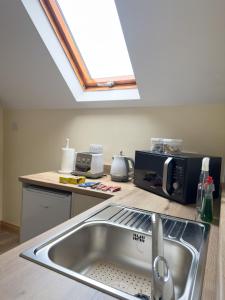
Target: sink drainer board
column 117, row 277
column 111, row 251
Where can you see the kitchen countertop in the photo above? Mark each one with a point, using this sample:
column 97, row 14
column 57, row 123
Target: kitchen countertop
column 51, row 180
column 22, row 279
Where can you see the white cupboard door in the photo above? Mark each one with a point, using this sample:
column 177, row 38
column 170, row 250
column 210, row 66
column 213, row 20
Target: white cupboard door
column 80, row 203
column 43, row 209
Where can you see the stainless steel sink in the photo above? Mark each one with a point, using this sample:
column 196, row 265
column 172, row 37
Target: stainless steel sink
column 112, row 251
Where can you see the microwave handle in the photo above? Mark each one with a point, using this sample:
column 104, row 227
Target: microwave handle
column 165, row 175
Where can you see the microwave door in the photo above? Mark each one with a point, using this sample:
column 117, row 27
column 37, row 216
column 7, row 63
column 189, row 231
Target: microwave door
column 151, row 172
column 154, row 173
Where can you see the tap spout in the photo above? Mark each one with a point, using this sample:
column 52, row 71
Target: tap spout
column 162, row 281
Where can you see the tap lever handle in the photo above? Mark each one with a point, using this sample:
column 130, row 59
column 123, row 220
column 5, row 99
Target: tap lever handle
column 164, row 283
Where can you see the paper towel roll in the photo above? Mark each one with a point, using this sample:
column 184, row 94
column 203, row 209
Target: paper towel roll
column 68, row 158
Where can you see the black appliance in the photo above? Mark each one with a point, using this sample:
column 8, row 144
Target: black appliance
column 174, row 176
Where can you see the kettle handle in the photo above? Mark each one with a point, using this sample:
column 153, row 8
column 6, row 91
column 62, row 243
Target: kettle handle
column 130, row 169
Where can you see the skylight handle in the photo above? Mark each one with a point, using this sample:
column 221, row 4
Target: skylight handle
column 106, row 84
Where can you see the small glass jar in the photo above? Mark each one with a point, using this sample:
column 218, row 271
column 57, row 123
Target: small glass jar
column 171, row 146
column 157, row 145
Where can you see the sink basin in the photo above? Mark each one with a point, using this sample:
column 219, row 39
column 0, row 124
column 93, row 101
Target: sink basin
column 111, row 251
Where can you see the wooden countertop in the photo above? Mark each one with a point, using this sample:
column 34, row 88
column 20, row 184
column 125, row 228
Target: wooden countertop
column 22, row 279
column 51, row 180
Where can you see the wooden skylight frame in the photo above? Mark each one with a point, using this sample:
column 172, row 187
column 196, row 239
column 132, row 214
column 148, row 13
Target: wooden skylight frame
column 75, row 58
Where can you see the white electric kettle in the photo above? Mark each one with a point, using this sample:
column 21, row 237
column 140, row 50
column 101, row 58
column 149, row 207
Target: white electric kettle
column 122, row 168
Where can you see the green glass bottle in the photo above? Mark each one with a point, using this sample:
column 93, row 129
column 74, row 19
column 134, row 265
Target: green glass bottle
column 207, row 205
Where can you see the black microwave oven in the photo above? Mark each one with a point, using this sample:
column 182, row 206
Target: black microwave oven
column 174, row 176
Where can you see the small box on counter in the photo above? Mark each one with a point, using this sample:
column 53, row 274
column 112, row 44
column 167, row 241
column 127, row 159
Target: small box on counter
column 71, row 179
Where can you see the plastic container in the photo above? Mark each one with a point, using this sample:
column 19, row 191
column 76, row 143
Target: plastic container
column 157, row 145
column 96, row 148
column 207, row 205
column 203, row 177
column 161, row 145
column 172, row 145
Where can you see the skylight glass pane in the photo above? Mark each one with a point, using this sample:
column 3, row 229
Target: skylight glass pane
column 97, row 32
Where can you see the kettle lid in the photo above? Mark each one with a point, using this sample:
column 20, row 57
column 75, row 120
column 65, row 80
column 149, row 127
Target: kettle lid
column 120, row 155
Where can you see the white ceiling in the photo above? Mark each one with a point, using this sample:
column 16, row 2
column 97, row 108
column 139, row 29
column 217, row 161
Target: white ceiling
column 177, row 49
column 28, row 76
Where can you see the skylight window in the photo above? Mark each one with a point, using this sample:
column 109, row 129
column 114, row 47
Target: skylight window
column 92, row 37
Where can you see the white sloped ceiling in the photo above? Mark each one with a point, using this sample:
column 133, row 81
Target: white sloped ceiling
column 177, row 50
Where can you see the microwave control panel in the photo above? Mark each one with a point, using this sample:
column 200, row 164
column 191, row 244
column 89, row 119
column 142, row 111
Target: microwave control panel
column 177, row 178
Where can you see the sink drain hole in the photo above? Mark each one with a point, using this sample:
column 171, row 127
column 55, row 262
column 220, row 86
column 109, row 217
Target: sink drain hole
column 142, row 296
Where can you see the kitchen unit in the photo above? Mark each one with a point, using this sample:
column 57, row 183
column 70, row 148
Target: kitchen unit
column 32, row 279
column 42, row 209
column 47, row 205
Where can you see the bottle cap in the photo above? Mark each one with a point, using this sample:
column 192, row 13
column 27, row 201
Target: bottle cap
column 209, row 180
column 205, row 164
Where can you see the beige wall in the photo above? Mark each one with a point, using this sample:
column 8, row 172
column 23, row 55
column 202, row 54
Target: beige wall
column 33, row 139
column 1, row 161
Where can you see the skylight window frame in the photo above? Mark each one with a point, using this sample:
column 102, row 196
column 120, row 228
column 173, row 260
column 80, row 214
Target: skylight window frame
column 74, row 56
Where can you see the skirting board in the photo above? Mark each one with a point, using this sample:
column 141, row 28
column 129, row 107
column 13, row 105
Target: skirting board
column 9, row 227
